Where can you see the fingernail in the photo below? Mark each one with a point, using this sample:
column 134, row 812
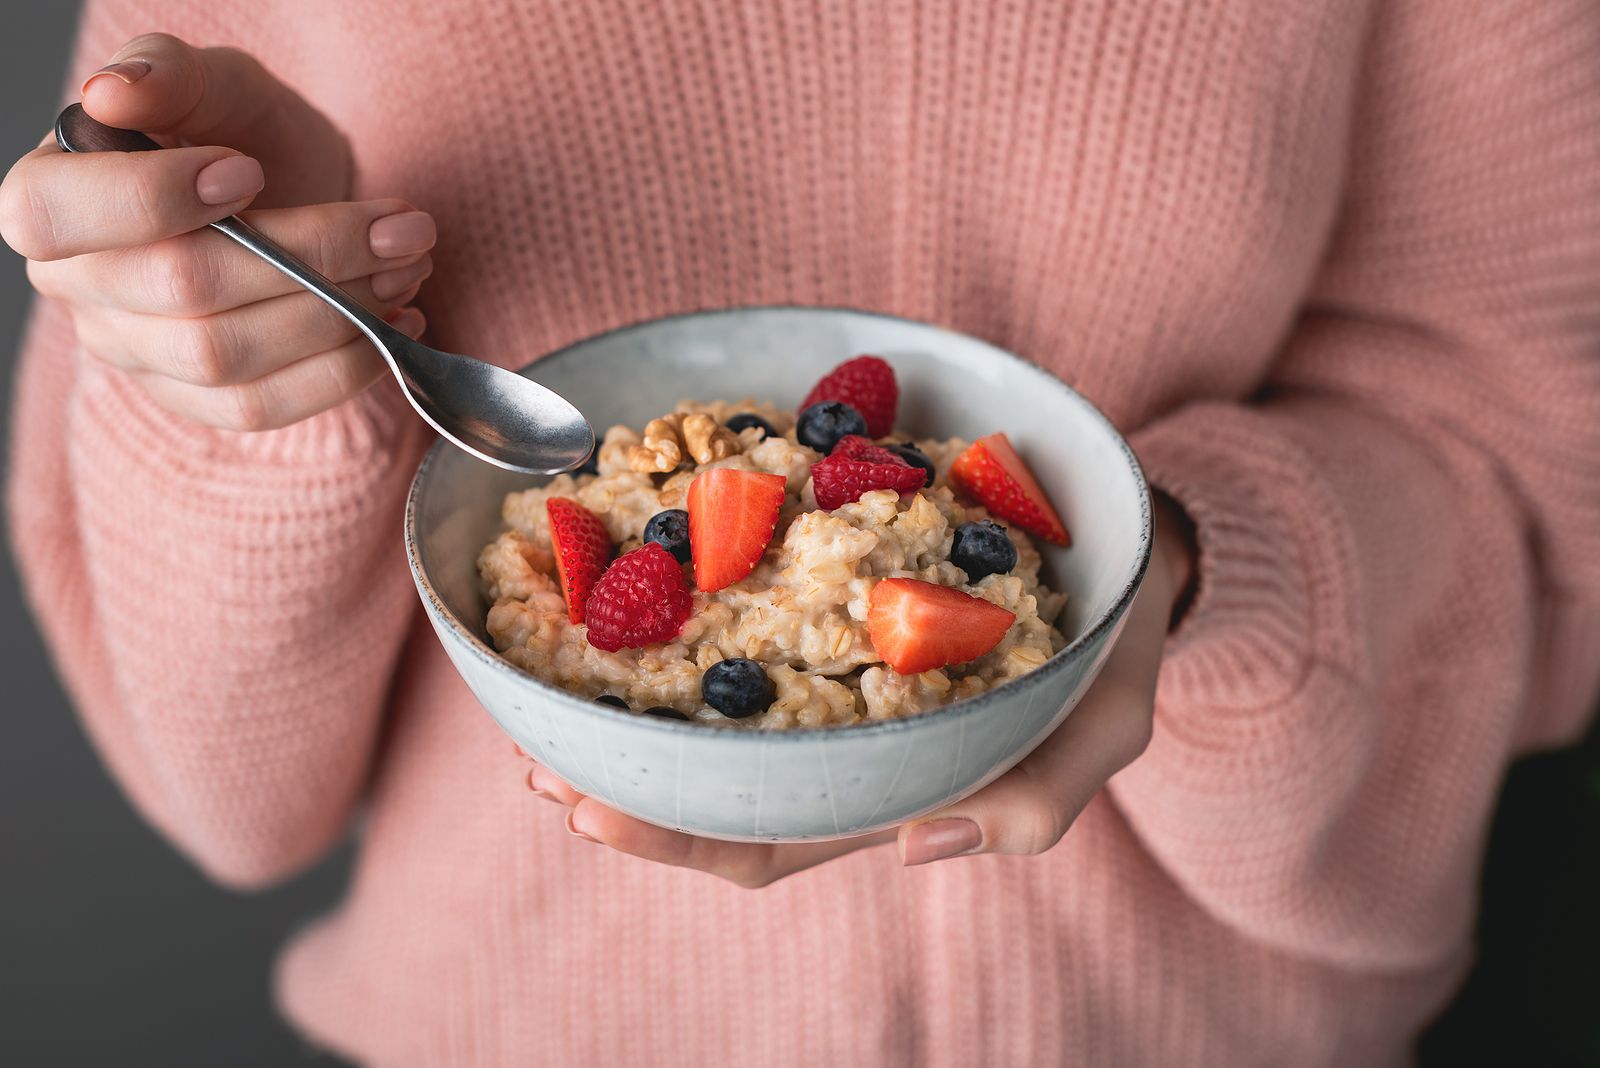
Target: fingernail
column 533, row 788
column 518, row 750
column 577, row 833
column 230, row 179
column 940, row 839
column 128, row 70
column 386, row 285
column 409, row 321
column 402, row 234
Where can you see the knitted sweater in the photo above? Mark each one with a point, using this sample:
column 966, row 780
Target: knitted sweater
column 1335, row 267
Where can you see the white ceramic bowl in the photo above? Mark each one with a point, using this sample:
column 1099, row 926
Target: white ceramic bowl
column 801, row 784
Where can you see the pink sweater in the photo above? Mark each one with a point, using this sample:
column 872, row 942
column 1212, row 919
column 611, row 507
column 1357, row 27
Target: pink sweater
column 1336, row 267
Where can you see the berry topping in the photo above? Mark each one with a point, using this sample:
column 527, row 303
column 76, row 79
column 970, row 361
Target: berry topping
column 991, row 473
column 737, row 688
column 670, row 530
column 664, row 712
column 732, row 515
column 611, row 699
column 867, row 384
column 855, row 466
column 582, row 550
column 745, row 420
column 642, row 599
column 917, row 626
column 822, row 425
column 982, row 549
column 914, row 456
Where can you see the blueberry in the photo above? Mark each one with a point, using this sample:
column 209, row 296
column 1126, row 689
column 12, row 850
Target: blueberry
column 591, row 466
column 916, row 458
column 982, row 549
column 670, row 530
column 748, row 419
column 824, row 423
column 737, row 688
column 664, row 712
column 611, row 699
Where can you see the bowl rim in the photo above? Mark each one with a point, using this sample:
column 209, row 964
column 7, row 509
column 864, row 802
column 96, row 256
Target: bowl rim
column 955, row 709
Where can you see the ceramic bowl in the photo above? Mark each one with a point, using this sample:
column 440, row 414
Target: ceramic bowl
column 795, row 785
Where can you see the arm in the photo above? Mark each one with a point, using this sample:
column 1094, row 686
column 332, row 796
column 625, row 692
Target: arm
column 1400, row 549
column 225, row 607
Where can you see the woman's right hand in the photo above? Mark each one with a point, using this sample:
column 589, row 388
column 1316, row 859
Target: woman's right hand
column 209, row 330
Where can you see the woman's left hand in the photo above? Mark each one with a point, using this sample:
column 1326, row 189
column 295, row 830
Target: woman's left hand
column 1025, row 811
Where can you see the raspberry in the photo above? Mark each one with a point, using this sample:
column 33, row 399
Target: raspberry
column 867, row 384
column 642, row 599
column 857, row 466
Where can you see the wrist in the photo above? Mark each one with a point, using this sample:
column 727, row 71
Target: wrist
column 1174, row 553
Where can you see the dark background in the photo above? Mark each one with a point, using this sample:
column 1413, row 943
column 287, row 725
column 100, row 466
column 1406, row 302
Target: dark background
column 114, row 951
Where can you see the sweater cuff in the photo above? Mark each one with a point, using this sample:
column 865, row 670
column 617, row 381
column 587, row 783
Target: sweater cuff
column 1273, row 557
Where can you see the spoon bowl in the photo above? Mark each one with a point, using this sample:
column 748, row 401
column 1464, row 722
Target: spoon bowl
column 496, row 415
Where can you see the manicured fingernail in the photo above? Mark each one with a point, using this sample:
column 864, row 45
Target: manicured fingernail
column 577, row 833
column 230, row 179
column 533, row 788
column 128, row 70
column 402, row 234
column 939, row 839
column 386, row 285
column 409, row 321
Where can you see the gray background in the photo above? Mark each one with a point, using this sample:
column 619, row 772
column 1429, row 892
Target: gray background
column 113, row 951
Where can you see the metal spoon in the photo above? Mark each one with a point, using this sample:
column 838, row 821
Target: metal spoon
column 498, row 416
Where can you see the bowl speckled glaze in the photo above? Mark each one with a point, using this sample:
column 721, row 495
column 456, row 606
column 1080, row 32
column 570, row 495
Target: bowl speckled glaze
column 801, row 784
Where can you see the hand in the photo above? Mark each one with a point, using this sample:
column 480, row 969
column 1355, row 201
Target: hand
column 1025, row 811
column 210, row 331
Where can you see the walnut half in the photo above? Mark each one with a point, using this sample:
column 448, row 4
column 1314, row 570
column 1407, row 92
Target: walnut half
column 667, row 440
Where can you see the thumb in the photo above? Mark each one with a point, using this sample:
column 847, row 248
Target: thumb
column 222, row 96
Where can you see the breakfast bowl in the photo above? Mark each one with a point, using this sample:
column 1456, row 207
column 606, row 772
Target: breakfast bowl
column 806, row 783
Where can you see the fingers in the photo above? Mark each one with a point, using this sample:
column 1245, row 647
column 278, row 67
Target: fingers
column 162, row 85
column 1030, row 807
column 746, row 864
column 56, row 204
column 298, row 391
column 204, row 273
column 240, row 344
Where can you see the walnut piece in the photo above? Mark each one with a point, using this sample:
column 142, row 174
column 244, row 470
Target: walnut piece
column 663, row 445
column 678, row 436
column 708, row 439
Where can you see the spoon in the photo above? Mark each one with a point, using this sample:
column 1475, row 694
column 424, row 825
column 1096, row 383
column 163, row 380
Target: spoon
column 494, row 414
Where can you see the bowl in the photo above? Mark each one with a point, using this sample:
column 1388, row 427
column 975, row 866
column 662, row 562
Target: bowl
column 804, row 784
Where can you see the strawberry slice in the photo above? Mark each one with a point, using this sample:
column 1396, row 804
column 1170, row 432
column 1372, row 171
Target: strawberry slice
column 583, row 549
column 732, row 515
column 991, row 473
column 856, row 466
column 867, row 384
column 918, row 626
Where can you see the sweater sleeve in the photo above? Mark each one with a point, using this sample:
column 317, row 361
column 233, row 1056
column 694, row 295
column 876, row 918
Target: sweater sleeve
column 1399, row 583
column 225, row 609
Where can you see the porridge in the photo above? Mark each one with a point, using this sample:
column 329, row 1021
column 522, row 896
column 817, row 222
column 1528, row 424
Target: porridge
column 734, row 564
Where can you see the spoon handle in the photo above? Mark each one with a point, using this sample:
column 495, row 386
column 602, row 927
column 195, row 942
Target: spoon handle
column 77, row 132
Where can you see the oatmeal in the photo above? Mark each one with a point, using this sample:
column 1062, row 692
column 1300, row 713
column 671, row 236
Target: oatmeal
column 737, row 591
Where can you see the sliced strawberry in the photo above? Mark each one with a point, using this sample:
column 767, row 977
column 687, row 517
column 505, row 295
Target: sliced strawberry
column 856, row 466
column 732, row 515
column 583, row 549
column 991, row 473
column 642, row 599
column 918, row 626
column 867, row 384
